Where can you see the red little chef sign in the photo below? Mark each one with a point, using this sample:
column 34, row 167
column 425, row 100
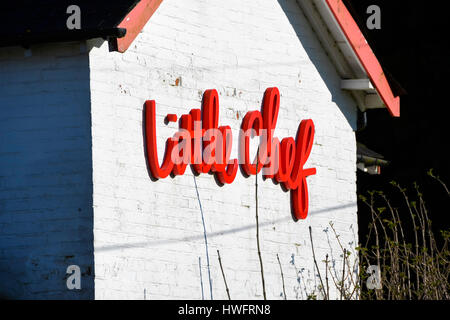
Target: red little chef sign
column 206, row 146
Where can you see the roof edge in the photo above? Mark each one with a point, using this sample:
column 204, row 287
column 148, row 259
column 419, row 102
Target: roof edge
column 135, row 21
column 365, row 55
column 360, row 51
column 70, row 35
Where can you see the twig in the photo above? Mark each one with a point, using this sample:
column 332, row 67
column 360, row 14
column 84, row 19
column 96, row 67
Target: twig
column 223, row 274
column 326, row 276
column 342, row 248
column 257, row 229
column 343, row 273
column 315, row 263
column 414, row 226
column 430, row 173
column 335, row 281
column 406, row 253
column 282, row 278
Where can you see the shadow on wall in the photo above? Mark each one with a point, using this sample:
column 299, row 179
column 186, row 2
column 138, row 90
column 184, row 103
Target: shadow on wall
column 222, row 232
column 320, row 60
column 46, row 215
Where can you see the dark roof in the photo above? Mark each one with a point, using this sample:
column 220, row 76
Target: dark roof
column 362, row 150
column 24, row 22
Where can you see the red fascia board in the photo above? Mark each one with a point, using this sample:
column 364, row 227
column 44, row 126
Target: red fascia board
column 135, row 21
column 365, row 55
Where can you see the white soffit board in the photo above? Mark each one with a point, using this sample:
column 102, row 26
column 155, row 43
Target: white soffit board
column 341, row 53
column 340, row 38
column 358, row 84
column 326, row 38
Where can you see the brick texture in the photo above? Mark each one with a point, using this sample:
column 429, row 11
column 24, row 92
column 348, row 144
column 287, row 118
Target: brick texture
column 46, row 216
column 148, row 235
column 74, row 184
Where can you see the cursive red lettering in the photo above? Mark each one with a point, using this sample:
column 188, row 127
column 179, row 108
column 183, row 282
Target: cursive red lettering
column 207, row 147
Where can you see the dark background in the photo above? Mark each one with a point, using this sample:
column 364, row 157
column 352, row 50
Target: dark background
column 412, row 47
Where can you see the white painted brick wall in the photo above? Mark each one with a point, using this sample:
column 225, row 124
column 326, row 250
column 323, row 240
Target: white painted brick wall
column 148, row 235
column 45, row 172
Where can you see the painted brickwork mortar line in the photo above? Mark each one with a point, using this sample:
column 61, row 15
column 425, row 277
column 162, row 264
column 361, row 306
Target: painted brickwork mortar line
column 74, row 182
column 148, row 233
column 46, row 216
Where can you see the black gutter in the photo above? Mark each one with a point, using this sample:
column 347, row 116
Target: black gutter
column 27, row 39
column 371, row 161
